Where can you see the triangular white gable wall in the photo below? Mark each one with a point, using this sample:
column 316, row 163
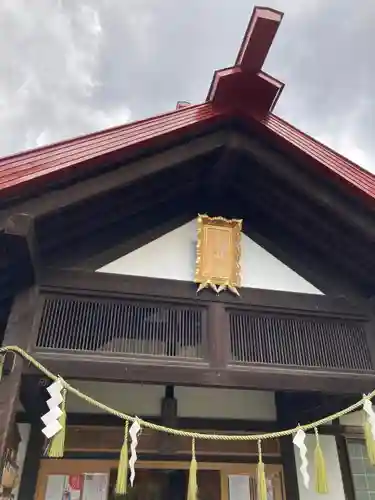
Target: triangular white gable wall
column 172, row 256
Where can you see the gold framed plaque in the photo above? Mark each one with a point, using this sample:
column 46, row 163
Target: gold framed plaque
column 218, row 254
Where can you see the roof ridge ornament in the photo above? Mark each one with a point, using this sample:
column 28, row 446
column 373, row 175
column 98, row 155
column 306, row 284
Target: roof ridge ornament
column 235, row 87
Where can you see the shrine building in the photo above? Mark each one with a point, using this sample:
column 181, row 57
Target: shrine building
column 210, row 269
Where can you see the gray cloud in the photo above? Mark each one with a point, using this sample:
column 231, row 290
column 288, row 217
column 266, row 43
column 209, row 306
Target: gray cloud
column 71, row 67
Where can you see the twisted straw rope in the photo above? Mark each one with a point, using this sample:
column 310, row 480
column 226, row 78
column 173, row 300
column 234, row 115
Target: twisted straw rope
column 180, row 432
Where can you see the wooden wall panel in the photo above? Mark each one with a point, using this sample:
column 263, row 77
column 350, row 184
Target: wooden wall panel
column 109, row 439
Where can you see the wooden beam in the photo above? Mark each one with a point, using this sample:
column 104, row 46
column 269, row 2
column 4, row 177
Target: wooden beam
column 4, row 313
column 302, row 406
column 72, row 229
column 324, row 194
column 20, row 240
column 80, row 281
column 338, row 263
column 33, row 397
column 297, row 257
column 130, row 228
column 169, row 418
column 328, row 248
column 103, row 368
column 322, row 226
column 286, row 245
column 18, row 332
column 296, row 205
column 225, row 168
column 128, row 245
column 121, row 202
column 124, row 175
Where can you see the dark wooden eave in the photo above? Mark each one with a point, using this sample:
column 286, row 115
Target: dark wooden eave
column 312, row 224
column 19, row 261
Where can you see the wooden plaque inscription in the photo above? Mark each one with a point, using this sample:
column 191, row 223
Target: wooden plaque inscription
column 218, row 253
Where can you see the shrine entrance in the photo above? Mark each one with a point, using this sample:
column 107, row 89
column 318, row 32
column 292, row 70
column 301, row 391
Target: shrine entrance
column 76, row 479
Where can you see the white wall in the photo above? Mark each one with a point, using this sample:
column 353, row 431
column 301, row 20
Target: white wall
column 354, row 419
column 172, row 256
column 138, row 399
column 24, row 430
column 225, row 403
column 335, row 485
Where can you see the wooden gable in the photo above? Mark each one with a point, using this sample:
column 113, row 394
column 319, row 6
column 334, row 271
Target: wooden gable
column 312, row 224
column 308, row 222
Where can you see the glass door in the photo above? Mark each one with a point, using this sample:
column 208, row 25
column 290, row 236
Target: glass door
column 95, row 480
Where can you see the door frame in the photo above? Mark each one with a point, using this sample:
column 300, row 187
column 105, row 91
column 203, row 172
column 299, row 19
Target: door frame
column 80, row 466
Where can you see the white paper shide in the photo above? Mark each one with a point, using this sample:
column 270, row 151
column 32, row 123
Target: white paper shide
column 133, row 432
column 369, row 410
column 51, row 418
column 299, row 442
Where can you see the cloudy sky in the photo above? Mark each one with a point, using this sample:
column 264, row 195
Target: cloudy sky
column 68, row 67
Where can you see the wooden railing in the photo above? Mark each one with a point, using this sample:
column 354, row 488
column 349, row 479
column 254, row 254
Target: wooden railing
column 122, row 327
column 315, row 342
column 261, row 328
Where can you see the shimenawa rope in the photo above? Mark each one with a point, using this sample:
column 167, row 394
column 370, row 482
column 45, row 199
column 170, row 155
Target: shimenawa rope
column 180, row 432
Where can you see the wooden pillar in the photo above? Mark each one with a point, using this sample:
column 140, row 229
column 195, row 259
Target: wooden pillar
column 18, row 332
column 285, row 421
column 370, row 326
column 22, row 247
column 33, row 397
column 31, row 464
column 218, row 335
column 168, row 443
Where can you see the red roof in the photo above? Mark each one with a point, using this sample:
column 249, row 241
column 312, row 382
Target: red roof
column 53, row 160
column 231, row 94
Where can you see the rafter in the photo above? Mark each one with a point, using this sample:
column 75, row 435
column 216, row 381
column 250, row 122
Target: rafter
column 123, row 175
column 286, row 245
column 127, row 245
column 339, row 237
column 120, row 203
column 322, row 249
column 311, row 185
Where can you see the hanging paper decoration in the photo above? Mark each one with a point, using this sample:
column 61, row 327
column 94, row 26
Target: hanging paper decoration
column 218, row 254
column 321, row 484
column 369, row 428
column 369, row 410
column 55, row 419
column 51, row 419
column 133, row 432
column 299, row 442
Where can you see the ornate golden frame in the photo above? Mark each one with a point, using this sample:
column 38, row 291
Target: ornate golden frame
column 215, row 267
